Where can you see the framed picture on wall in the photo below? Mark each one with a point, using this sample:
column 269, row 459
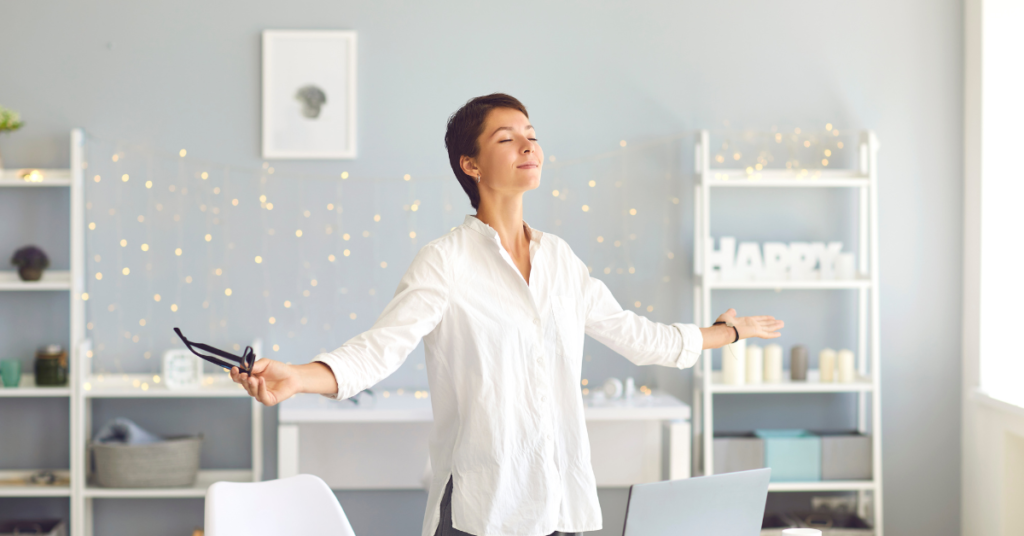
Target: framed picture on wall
column 309, row 94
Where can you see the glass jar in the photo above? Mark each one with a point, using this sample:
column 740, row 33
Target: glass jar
column 51, row 365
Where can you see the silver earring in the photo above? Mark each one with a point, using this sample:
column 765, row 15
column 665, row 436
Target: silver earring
column 478, row 179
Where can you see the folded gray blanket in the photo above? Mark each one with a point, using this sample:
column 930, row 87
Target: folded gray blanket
column 121, row 430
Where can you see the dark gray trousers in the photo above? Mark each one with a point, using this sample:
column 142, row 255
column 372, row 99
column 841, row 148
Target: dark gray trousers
column 444, row 528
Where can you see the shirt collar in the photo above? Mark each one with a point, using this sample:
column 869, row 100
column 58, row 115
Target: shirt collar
column 474, row 223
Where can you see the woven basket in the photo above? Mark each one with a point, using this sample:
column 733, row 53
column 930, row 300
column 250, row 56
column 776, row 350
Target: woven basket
column 170, row 463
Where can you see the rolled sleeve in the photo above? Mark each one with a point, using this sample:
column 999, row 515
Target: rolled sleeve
column 415, row 310
column 635, row 337
column 692, row 345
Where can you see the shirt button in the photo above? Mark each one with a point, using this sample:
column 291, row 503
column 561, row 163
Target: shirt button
column 536, row 321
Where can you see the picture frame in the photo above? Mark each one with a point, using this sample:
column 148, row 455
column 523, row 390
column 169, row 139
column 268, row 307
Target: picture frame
column 309, row 94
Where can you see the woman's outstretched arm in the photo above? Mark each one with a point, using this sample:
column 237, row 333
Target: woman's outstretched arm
column 365, row 359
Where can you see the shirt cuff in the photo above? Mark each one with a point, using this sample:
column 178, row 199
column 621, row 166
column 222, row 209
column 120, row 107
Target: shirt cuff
column 337, row 366
column 693, row 345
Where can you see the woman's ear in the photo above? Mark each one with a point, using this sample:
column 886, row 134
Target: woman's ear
column 469, row 167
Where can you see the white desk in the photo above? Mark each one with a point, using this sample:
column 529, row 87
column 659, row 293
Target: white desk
column 382, row 443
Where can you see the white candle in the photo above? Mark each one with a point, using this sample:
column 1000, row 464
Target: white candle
column 755, row 364
column 734, row 362
column 846, row 267
column 773, row 363
column 846, row 374
column 827, row 365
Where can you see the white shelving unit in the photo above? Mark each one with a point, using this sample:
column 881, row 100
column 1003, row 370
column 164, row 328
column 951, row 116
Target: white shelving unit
column 91, row 386
column 56, row 281
column 708, row 383
column 84, row 386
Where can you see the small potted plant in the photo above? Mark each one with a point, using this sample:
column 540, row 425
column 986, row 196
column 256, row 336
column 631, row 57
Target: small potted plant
column 9, row 122
column 31, row 261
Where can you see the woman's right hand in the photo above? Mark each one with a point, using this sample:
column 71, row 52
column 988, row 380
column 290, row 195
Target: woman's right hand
column 271, row 381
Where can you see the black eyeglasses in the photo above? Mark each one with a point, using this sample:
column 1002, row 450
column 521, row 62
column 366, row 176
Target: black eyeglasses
column 243, row 363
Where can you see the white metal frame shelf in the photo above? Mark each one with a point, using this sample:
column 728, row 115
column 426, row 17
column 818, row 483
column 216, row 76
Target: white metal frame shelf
column 91, row 386
column 70, row 281
column 60, row 177
column 708, row 382
column 84, row 387
column 818, row 284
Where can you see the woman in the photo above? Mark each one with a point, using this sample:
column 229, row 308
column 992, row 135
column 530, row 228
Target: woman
column 502, row 309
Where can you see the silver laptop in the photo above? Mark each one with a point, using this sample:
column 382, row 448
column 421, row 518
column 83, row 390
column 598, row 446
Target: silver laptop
column 730, row 504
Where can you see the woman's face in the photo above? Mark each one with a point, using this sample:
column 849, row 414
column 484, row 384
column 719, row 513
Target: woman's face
column 510, row 159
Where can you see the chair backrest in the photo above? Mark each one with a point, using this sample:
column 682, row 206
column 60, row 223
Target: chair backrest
column 301, row 504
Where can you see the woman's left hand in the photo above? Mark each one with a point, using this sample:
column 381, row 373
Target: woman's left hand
column 762, row 327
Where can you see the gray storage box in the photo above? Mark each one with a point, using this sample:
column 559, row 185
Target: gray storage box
column 38, row 527
column 170, row 463
column 738, row 452
column 830, row 524
column 845, row 456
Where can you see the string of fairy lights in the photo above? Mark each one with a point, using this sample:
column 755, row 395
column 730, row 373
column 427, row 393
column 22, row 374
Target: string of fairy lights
column 304, row 261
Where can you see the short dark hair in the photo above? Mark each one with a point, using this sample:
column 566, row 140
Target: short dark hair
column 464, row 127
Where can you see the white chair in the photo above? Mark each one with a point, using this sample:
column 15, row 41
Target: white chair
column 301, row 504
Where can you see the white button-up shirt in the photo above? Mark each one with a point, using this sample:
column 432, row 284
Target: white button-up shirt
column 504, row 361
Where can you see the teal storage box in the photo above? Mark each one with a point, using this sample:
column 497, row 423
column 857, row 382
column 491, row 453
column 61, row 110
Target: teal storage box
column 793, row 455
